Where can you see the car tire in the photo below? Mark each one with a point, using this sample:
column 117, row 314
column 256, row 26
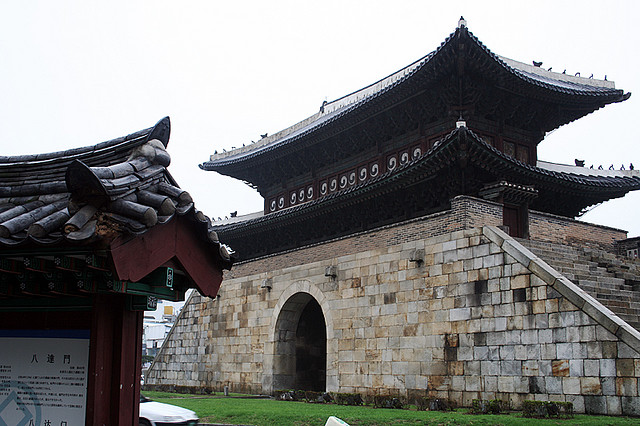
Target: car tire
column 144, row 422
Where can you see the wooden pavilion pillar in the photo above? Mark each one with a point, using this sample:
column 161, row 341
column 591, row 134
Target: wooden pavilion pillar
column 115, row 362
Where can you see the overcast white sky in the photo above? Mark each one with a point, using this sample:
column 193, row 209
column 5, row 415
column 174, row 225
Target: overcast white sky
column 75, row 73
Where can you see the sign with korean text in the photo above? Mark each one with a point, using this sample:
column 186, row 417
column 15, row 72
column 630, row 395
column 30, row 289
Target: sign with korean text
column 43, row 377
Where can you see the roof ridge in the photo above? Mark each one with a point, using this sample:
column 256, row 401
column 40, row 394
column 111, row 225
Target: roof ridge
column 158, row 131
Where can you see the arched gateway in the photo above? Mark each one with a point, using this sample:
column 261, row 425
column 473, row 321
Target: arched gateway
column 301, row 331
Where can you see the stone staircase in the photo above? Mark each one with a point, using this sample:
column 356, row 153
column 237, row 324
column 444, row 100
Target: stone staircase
column 612, row 280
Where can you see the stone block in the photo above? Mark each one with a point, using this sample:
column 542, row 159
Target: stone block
column 460, row 314
column 579, row 350
column 567, row 319
column 564, row 351
column 507, row 352
column 494, row 353
column 473, row 383
column 520, row 352
column 490, row 383
column 458, row 383
column 521, row 384
column 506, row 384
column 536, row 385
column 608, row 385
column 614, row 407
column 590, row 386
column 529, row 337
column 491, row 261
column 577, row 401
column 530, row 368
column 627, row 386
column 533, row 351
column 592, row 367
column 433, row 368
column 630, row 406
column 571, row 385
column 625, row 351
column 545, row 335
column 520, row 281
column 587, row 333
column 489, row 368
column 510, row 368
column 455, row 368
column 481, row 353
column 472, row 368
column 595, row 405
column 480, row 250
column 560, row 367
column 625, row 367
column 548, row 351
column 608, row 367
column 495, row 273
column 449, row 245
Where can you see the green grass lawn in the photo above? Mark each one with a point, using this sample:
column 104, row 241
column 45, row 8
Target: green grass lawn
column 267, row 412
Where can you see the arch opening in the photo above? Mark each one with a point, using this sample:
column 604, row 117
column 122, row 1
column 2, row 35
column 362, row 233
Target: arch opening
column 301, row 345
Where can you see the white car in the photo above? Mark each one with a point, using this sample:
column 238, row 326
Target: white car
column 158, row 414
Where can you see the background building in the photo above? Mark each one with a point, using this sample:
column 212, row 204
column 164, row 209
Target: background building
column 157, row 325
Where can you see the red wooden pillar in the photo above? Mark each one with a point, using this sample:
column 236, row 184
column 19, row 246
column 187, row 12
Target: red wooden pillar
column 115, row 363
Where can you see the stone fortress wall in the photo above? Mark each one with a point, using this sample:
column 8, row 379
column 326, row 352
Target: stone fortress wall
column 446, row 306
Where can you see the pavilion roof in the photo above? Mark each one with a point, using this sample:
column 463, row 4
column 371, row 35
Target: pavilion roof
column 589, row 93
column 101, row 197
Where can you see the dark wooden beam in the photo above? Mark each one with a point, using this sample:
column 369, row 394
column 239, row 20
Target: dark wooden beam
column 11, row 266
column 67, row 263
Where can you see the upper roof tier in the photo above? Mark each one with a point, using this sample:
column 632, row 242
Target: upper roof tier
column 567, row 97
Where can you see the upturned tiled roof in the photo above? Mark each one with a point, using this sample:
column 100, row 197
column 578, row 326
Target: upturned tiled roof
column 93, row 194
column 578, row 89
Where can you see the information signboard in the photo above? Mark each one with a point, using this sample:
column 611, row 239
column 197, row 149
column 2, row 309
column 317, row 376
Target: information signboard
column 43, row 377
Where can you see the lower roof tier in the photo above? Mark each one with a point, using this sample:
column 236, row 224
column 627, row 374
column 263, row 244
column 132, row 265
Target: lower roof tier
column 462, row 163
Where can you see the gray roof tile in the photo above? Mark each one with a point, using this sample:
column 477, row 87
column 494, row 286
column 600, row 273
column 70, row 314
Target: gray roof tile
column 122, row 184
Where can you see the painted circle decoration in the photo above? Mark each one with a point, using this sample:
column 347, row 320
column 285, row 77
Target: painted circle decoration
column 273, row 205
column 301, row 195
column 363, row 173
column 281, row 202
column 293, row 198
column 392, row 162
column 334, row 184
column 374, row 170
column 323, row 188
column 343, row 181
column 310, row 192
column 352, row 178
column 404, row 158
column 417, row 152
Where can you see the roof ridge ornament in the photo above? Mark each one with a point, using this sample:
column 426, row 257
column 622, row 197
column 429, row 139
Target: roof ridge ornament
column 462, row 22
